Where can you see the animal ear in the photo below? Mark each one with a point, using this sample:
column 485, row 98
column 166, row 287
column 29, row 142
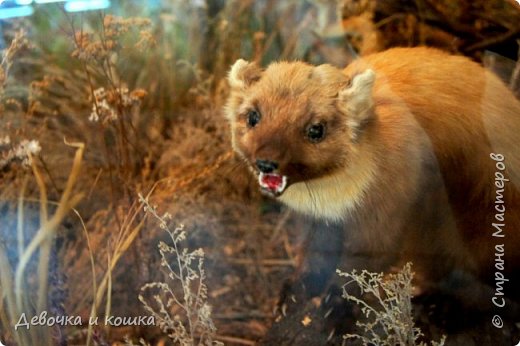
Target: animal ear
column 325, row 73
column 243, row 73
column 356, row 99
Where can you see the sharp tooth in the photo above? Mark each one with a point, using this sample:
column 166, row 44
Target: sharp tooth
column 284, row 183
column 260, row 181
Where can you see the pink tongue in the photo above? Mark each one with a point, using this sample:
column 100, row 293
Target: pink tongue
column 272, row 181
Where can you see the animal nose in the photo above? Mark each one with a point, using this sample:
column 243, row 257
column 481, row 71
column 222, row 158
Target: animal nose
column 266, row 166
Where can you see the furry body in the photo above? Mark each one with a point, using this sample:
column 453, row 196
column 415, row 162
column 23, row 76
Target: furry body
column 405, row 161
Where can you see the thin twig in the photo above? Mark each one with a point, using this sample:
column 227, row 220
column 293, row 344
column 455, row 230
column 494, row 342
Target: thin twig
column 492, row 41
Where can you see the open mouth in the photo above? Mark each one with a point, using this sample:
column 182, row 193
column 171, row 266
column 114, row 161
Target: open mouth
column 272, row 183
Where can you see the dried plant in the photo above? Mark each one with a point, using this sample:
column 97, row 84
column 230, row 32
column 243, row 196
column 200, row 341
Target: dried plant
column 387, row 308
column 19, row 292
column 142, row 342
column 192, row 325
column 18, row 43
column 21, row 152
column 114, row 105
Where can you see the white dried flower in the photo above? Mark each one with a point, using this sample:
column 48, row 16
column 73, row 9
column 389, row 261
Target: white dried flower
column 101, row 110
column 33, row 147
column 22, row 152
column 94, row 117
column 100, row 94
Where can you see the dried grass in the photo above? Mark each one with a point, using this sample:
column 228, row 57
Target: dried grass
column 386, row 304
column 192, row 325
column 16, row 285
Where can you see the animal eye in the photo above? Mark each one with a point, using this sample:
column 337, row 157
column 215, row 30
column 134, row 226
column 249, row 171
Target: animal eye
column 253, row 117
column 316, row 132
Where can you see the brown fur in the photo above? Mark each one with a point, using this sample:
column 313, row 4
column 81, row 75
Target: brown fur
column 405, row 163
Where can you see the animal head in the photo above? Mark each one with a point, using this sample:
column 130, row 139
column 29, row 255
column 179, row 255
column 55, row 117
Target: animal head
column 294, row 122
